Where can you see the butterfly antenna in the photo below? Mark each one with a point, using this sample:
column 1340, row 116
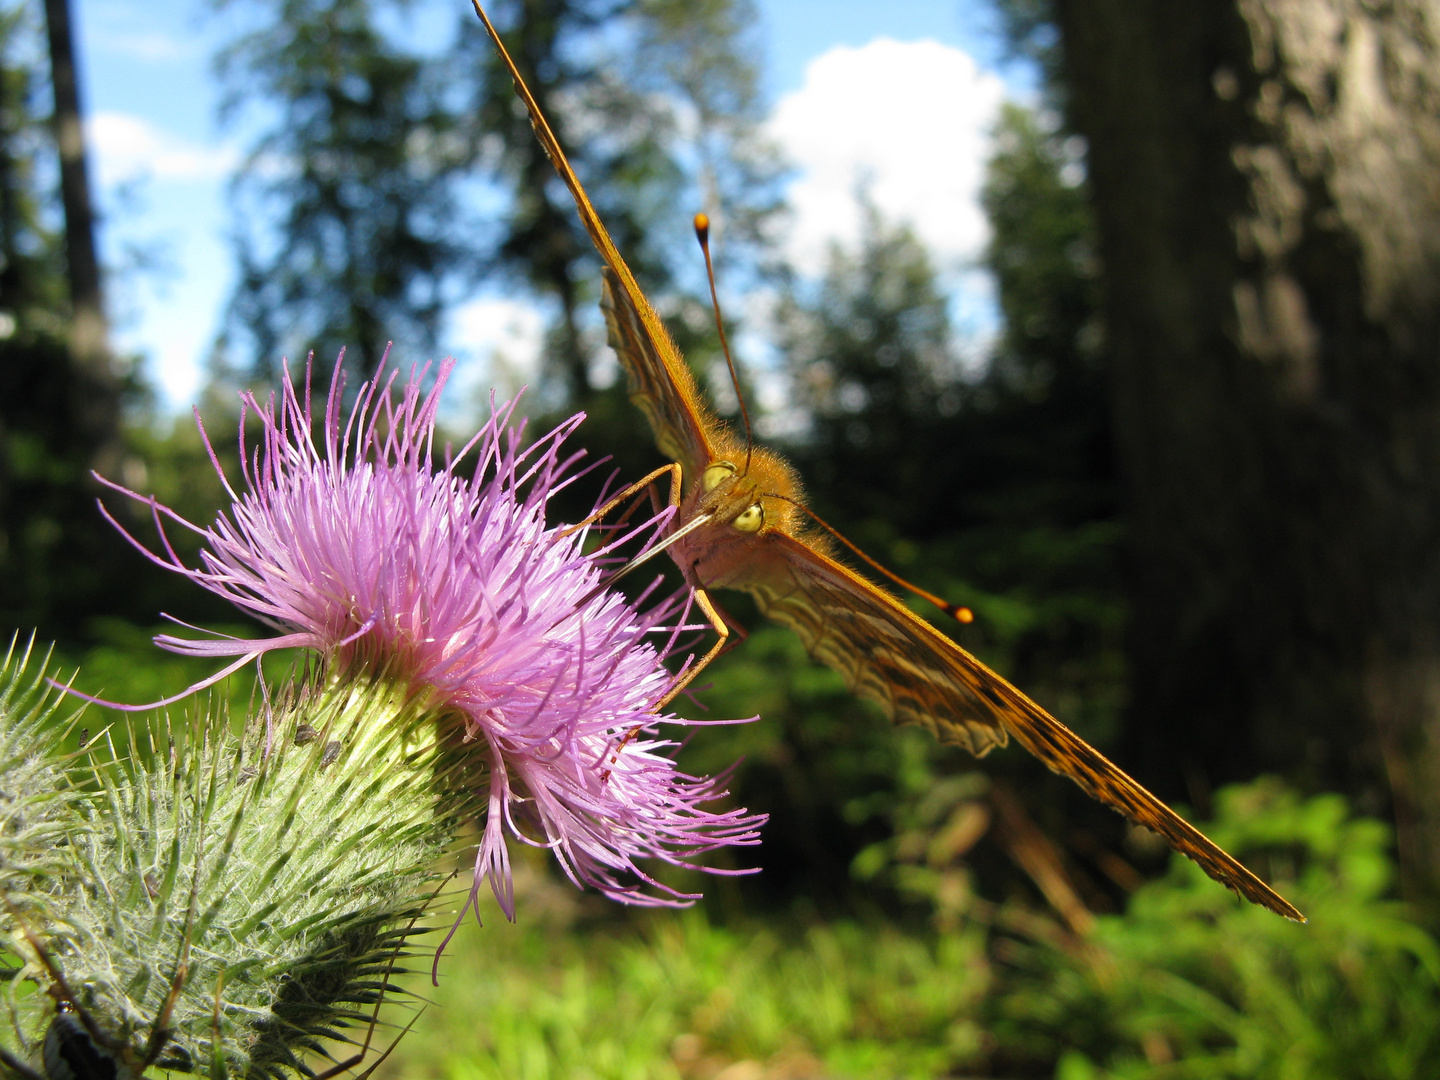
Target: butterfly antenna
column 702, row 233
column 959, row 612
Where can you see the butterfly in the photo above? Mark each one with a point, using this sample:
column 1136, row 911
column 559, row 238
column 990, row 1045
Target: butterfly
column 741, row 524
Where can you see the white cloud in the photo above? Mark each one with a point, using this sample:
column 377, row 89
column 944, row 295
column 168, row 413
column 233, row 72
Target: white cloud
column 152, row 31
column 911, row 119
column 498, row 344
column 128, row 147
column 148, row 46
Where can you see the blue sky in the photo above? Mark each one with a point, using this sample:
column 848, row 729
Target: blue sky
column 903, row 91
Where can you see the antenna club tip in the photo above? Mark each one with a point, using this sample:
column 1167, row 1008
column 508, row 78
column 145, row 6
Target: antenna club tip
column 964, row 615
column 702, row 227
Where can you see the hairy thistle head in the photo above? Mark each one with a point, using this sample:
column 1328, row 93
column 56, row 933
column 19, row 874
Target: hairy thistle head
column 227, row 900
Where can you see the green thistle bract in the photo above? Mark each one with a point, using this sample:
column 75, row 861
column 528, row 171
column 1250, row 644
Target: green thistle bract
column 218, row 910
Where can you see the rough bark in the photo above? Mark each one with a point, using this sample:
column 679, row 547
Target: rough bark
column 1267, row 184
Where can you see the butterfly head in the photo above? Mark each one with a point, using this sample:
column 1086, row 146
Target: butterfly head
column 731, row 496
column 729, row 512
column 748, row 501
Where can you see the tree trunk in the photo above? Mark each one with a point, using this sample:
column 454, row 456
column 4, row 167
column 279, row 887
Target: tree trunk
column 1267, row 183
column 96, row 400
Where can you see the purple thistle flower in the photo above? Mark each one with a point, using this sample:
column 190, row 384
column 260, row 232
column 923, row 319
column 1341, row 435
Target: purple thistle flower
column 366, row 551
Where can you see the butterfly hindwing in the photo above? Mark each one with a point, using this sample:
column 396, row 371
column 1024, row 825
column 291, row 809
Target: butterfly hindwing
column 868, row 637
column 919, row 676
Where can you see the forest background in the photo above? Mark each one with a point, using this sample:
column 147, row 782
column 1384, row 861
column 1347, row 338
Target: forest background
column 1190, row 487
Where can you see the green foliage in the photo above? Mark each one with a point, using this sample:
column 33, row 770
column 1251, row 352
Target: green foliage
column 122, row 664
column 995, row 490
column 351, row 227
column 1189, row 983
column 32, row 283
column 1039, row 430
column 1043, row 255
column 1192, row 983
column 1030, row 29
column 873, row 359
column 65, row 569
column 705, row 55
column 850, row 795
column 937, row 823
column 169, row 460
column 817, row 762
column 51, row 565
column 61, row 564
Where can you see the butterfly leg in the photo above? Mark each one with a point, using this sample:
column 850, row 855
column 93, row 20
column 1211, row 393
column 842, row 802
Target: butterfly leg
column 722, row 628
column 739, row 635
column 634, row 489
column 718, row 619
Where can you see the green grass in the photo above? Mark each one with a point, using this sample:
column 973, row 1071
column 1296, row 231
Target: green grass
column 671, row 996
column 1189, row 984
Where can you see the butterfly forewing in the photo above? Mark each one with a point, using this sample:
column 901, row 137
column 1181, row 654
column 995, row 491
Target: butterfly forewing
column 660, row 382
column 663, row 387
column 884, row 651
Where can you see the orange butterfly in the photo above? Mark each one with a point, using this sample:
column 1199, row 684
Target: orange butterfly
column 740, row 513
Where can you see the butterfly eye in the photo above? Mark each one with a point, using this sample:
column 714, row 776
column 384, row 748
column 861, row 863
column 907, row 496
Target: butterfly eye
column 716, row 474
column 750, row 519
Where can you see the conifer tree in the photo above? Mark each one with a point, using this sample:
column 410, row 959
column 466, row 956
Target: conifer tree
column 348, row 228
